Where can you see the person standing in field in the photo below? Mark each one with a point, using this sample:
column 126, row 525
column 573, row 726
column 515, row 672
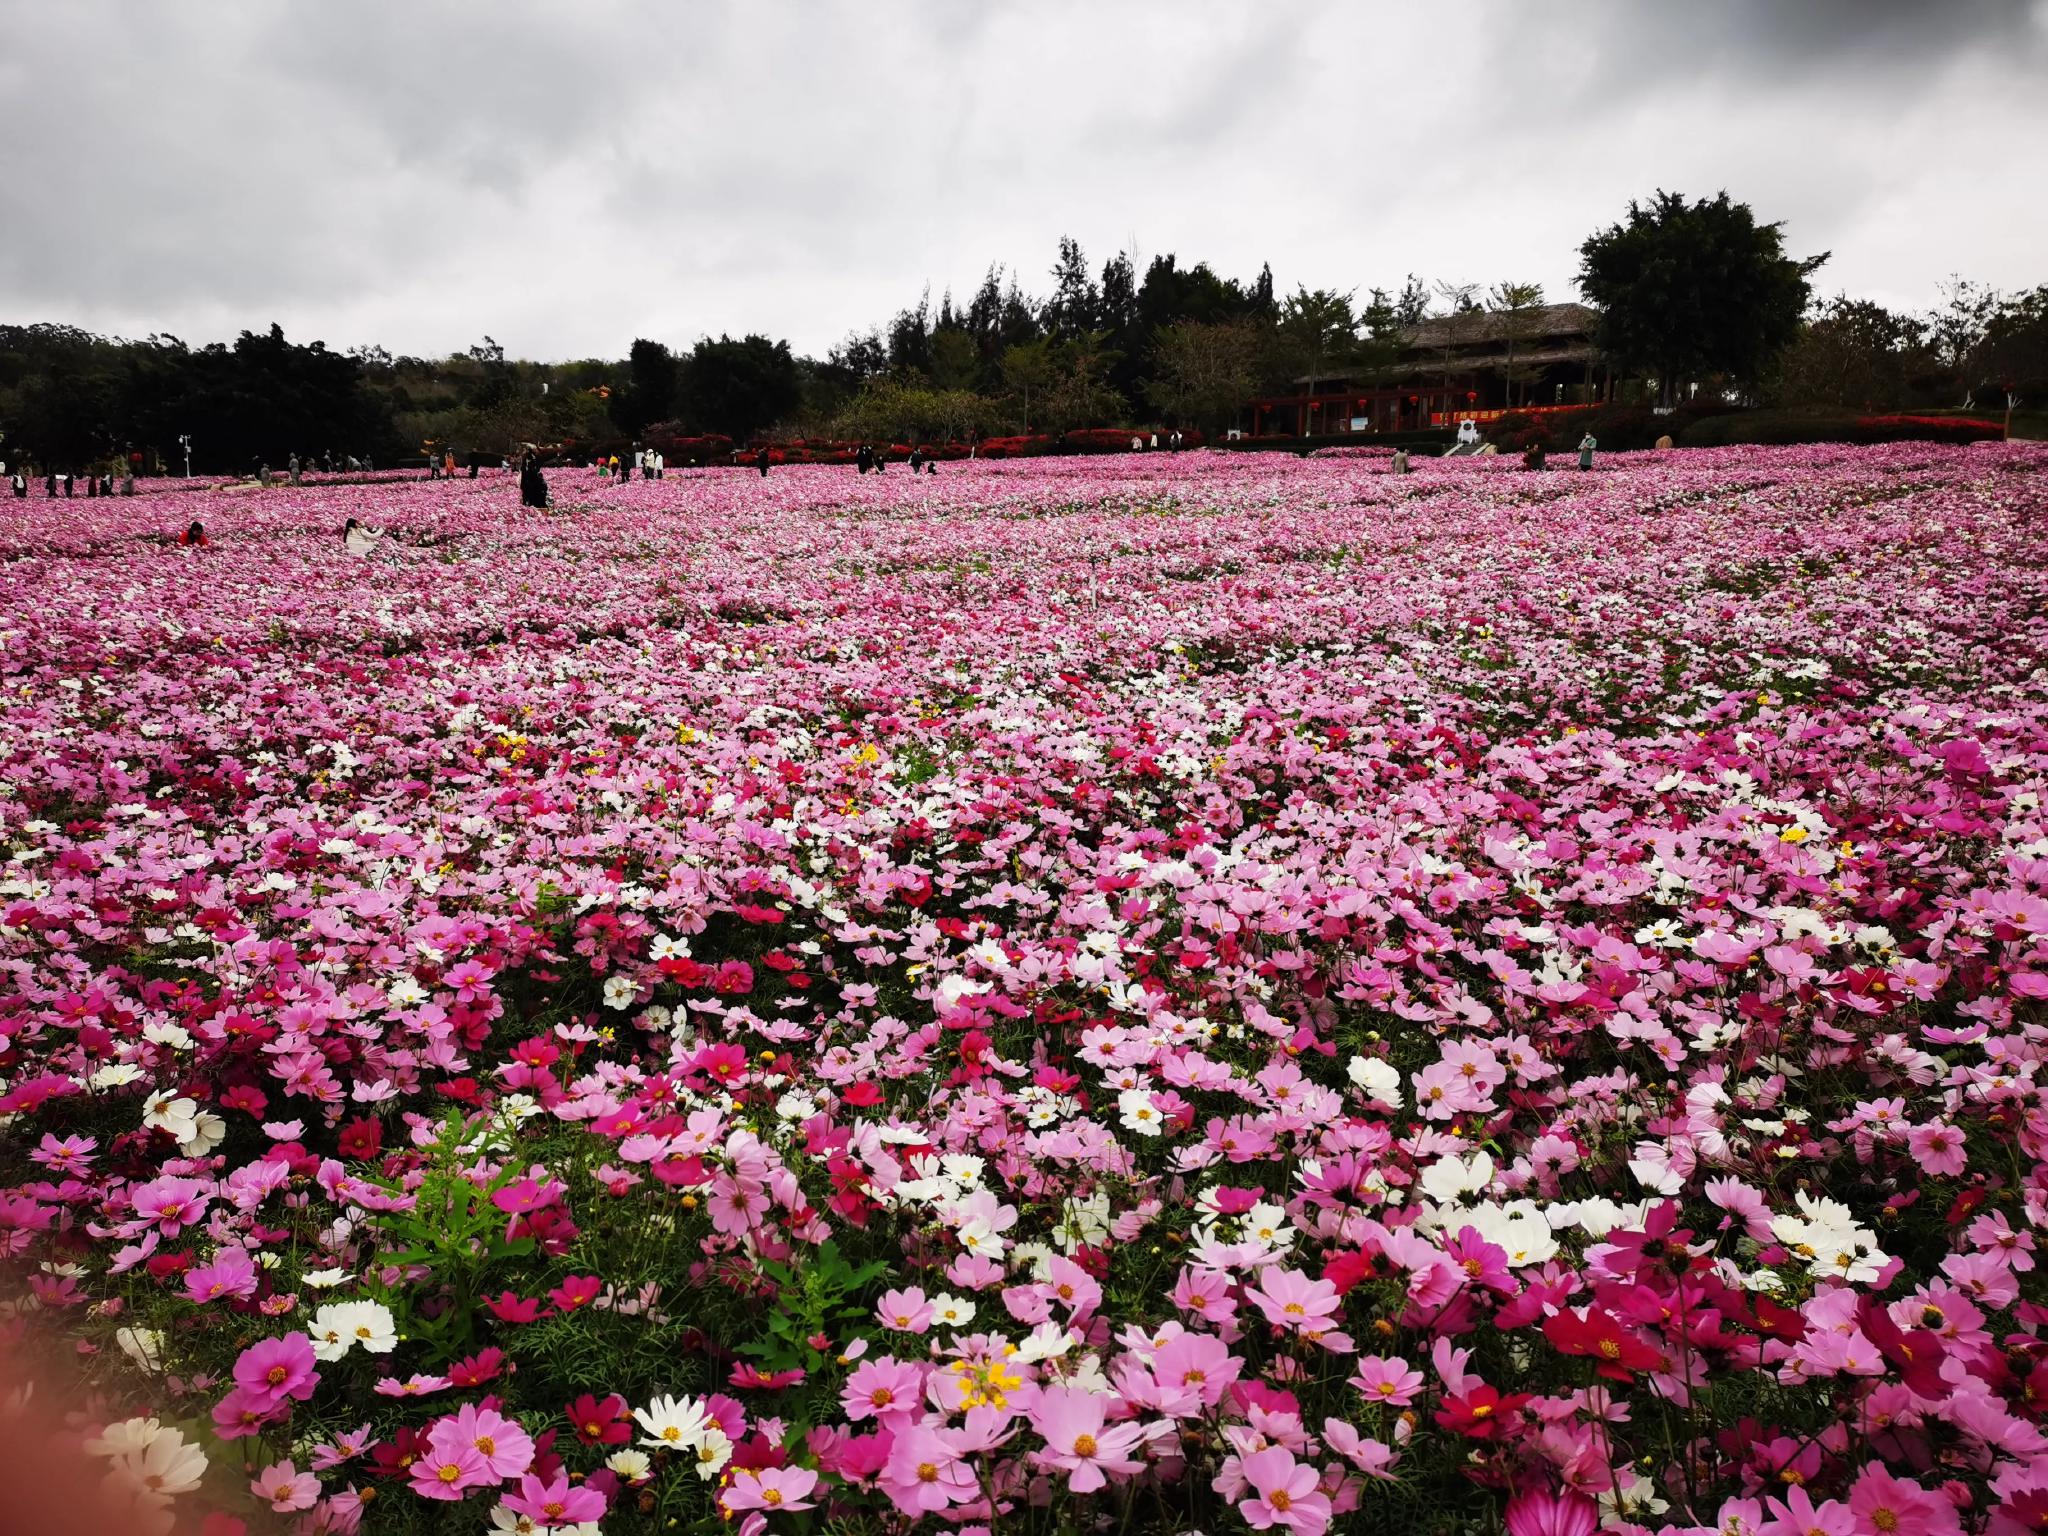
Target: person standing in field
column 1586, row 447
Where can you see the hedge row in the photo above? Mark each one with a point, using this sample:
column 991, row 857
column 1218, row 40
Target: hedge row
column 1788, row 427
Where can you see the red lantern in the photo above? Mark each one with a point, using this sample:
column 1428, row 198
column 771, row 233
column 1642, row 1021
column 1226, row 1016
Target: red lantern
column 1471, row 395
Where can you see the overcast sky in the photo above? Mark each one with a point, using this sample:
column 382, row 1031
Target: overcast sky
column 567, row 176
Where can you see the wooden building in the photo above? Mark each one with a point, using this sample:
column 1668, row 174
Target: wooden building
column 1451, row 368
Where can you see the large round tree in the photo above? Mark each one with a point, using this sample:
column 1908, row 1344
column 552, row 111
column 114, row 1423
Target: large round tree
column 1687, row 289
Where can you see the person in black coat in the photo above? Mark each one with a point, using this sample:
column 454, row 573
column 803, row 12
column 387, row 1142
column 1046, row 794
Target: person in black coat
column 533, row 488
column 761, row 462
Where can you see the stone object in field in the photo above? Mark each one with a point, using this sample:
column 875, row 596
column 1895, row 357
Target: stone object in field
column 1664, row 442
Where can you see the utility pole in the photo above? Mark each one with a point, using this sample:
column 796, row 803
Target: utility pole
column 185, row 442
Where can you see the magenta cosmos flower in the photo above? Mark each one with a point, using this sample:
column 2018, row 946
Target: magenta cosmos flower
column 272, row 1370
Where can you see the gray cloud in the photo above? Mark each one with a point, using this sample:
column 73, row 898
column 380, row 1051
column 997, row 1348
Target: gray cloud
column 568, row 175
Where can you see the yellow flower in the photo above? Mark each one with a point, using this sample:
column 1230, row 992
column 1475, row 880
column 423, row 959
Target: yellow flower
column 1793, row 835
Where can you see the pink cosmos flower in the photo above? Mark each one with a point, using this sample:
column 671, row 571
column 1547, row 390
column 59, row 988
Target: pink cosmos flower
column 1898, row 1506
column 1292, row 1300
column 231, row 1276
column 171, row 1205
column 1938, row 1148
column 244, row 1412
column 1797, row 1515
column 1538, row 1513
column 499, row 1445
column 555, row 1500
column 285, row 1488
column 449, row 1473
column 413, row 1386
column 924, row 1474
column 778, row 1490
column 904, row 1311
column 1284, row 1493
column 1387, row 1380
column 1197, row 1364
column 884, row 1389
column 1076, row 1441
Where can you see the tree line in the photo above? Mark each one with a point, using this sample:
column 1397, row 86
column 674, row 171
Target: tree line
column 1693, row 296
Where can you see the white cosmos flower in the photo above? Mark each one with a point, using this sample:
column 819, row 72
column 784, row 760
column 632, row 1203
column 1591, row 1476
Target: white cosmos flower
column 126, row 1437
column 952, row 1311
column 713, row 1452
column 168, row 1466
column 977, row 1236
column 629, row 1464
column 620, row 991
column 1134, row 1106
column 340, row 1326
column 672, row 1421
column 1382, row 1084
column 1450, row 1179
column 144, row 1346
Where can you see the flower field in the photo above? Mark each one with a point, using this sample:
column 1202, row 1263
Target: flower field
column 1153, row 994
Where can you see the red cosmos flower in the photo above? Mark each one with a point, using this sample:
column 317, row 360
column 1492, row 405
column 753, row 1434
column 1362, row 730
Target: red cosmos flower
column 684, row 971
column 864, row 1094
column 510, row 1307
column 1480, row 1413
column 245, row 1096
column 722, row 1062
column 751, row 1378
column 479, row 1368
column 1658, row 1243
column 1916, row 1354
column 362, row 1138
column 1615, row 1352
column 575, row 1293
column 394, row 1458
column 600, row 1420
column 1781, row 1322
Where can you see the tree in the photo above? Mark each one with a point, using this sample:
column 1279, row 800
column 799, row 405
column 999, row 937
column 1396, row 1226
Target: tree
column 956, row 362
column 1687, row 289
column 1073, row 309
column 1458, row 305
column 1026, row 368
column 910, row 335
column 1956, row 329
column 1516, row 304
column 1080, row 394
column 1413, row 304
column 1319, row 330
column 2012, row 358
column 650, row 394
column 1203, row 370
column 739, row 388
column 1852, row 353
